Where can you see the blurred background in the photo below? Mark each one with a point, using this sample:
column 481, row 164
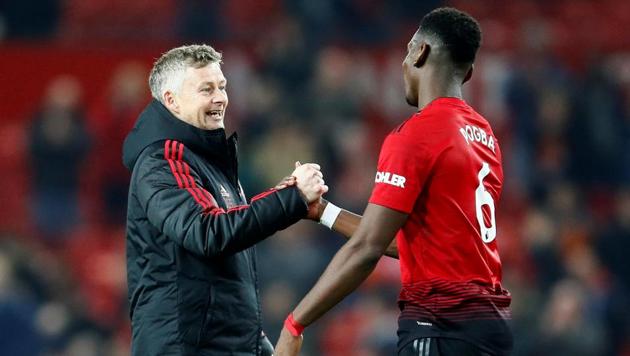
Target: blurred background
column 313, row 81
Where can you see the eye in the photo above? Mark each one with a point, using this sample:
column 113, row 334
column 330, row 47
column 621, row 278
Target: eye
column 222, row 88
column 206, row 89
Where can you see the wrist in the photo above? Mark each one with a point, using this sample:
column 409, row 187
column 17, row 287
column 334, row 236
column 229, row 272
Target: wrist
column 329, row 215
column 321, row 206
column 296, row 329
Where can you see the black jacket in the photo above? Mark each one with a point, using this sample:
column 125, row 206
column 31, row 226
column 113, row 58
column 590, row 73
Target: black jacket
column 191, row 264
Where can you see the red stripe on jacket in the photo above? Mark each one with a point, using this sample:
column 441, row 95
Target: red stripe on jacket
column 174, row 159
column 174, row 154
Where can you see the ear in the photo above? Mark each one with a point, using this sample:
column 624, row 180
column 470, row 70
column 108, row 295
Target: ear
column 423, row 55
column 469, row 73
column 170, row 101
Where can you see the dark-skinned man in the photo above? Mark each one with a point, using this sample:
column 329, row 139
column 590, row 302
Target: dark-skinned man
column 438, row 181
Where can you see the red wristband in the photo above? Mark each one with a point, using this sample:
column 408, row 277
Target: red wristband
column 293, row 326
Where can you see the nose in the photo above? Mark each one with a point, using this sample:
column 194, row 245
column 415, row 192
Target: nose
column 220, row 97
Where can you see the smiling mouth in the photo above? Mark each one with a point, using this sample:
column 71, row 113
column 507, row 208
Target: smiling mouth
column 215, row 114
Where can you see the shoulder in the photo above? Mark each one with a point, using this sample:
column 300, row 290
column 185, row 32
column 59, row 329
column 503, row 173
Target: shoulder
column 164, row 157
column 163, row 164
column 166, row 150
column 407, row 128
column 431, row 118
column 419, row 129
column 405, row 138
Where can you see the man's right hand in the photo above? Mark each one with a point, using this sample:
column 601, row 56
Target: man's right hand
column 310, row 181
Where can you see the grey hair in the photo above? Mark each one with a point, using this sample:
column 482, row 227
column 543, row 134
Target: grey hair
column 168, row 71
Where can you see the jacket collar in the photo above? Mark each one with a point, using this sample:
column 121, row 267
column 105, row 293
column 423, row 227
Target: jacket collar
column 156, row 124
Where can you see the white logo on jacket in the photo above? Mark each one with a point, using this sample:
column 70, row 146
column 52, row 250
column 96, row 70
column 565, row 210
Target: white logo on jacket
column 227, row 198
column 391, row 179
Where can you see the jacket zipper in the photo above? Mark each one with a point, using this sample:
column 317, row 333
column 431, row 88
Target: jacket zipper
column 258, row 309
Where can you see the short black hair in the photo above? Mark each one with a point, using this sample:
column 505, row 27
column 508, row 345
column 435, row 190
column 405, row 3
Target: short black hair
column 456, row 30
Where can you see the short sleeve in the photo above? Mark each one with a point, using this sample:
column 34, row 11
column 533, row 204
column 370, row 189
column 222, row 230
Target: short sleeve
column 401, row 172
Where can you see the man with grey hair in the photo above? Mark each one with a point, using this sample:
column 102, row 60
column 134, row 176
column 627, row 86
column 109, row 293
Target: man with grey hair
column 191, row 261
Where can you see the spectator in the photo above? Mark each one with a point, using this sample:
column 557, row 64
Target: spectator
column 110, row 121
column 58, row 146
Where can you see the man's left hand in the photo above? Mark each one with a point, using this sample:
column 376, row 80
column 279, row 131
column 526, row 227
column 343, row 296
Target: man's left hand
column 288, row 345
column 285, row 182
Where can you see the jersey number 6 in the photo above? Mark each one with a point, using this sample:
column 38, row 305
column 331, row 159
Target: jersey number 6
column 482, row 197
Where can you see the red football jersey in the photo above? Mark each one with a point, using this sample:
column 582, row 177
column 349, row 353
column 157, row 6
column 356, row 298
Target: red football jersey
column 443, row 167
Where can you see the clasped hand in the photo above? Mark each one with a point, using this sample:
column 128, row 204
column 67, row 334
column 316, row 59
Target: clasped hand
column 309, row 180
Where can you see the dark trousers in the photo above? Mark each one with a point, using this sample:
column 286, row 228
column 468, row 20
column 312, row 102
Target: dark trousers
column 440, row 346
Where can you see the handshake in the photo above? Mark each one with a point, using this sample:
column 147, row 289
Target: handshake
column 309, row 180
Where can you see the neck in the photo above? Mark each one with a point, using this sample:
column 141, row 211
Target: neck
column 438, row 84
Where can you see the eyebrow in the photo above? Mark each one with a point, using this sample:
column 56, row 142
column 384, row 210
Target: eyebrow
column 222, row 81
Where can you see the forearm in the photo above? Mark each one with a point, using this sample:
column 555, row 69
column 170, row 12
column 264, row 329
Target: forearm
column 347, row 270
column 350, row 266
column 216, row 231
column 347, row 223
column 353, row 262
column 239, row 229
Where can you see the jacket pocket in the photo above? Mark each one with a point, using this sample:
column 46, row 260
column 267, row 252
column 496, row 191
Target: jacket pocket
column 231, row 319
column 193, row 303
column 207, row 315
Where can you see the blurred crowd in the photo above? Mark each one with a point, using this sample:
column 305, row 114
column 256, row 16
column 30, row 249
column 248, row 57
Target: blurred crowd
column 321, row 81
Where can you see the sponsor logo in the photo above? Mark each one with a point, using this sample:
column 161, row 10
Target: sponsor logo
column 391, row 179
column 423, row 323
